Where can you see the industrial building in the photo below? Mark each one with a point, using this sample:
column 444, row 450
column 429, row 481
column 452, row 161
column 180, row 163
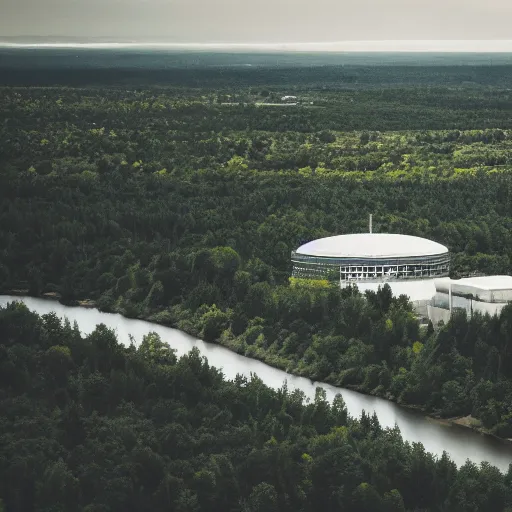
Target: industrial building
column 487, row 294
column 409, row 264
column 371, row 257
column 412, row 266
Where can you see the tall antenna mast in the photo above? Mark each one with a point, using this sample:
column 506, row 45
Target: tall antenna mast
column 371, row 219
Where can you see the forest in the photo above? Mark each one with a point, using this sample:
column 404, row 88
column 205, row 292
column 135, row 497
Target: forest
column 181, row 204
column 89, row 424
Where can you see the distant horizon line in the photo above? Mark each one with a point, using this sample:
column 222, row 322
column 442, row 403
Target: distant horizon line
column 413, row 46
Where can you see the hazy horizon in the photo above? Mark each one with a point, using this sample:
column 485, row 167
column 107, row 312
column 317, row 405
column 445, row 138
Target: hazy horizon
column 431, row 46
column 268, row 21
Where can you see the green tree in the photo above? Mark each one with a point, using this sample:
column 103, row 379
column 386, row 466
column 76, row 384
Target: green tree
column 59, row 361
column 226, row 261
column 214, row 321
column 393, row 502
column 263, row 498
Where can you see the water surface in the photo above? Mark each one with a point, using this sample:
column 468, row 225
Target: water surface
column 461, row 444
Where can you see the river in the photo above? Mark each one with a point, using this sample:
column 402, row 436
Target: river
column 461, row 444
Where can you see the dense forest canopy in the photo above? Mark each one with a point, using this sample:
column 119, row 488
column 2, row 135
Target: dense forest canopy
column 181, row 205
column 88, row 424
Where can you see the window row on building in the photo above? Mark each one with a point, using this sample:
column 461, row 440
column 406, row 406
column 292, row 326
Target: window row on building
column 352, row 269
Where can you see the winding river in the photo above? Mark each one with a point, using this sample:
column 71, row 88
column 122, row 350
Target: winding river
column 461, row 444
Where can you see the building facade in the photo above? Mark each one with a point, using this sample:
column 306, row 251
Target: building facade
column 485, row 295
column 370, row 257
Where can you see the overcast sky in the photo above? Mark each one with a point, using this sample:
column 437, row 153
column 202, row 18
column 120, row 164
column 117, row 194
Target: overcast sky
column 258, row 21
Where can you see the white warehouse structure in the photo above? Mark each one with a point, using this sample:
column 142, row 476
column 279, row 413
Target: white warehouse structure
column 371, row 257
column 486, row 294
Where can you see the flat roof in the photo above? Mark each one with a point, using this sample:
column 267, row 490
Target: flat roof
column 490, row 283
column 372, row 245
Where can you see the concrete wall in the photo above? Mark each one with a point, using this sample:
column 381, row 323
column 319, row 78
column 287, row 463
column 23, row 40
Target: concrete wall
column 421, row 307
column 484, row 289
column 435, row 315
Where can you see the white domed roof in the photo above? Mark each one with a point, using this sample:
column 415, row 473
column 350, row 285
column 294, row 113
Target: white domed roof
column 372, row 245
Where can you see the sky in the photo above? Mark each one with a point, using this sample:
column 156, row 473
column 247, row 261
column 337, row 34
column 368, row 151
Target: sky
column 261, row 21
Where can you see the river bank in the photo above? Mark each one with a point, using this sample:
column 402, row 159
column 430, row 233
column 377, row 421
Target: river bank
column 470, row 423
column 461, row 444
column 459, row 422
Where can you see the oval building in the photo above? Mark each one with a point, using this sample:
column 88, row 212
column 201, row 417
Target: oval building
column 371, row 257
